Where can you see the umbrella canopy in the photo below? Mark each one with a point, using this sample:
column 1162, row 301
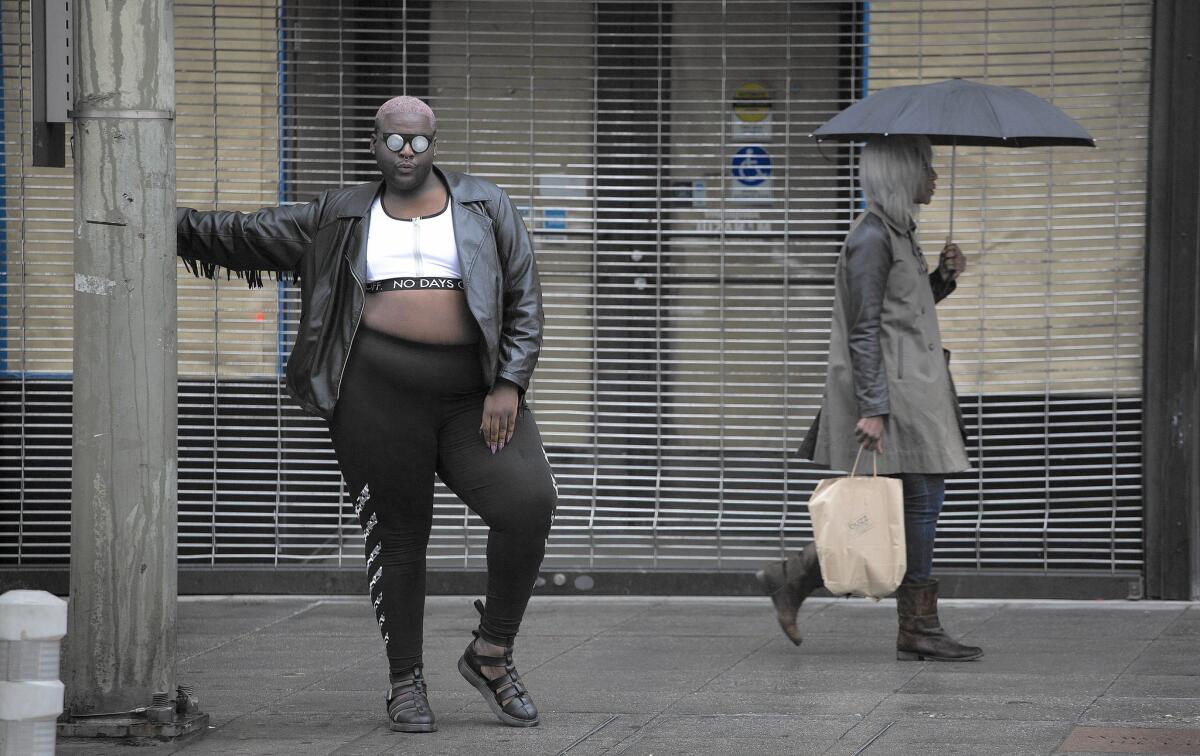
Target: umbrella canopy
column 957, row 112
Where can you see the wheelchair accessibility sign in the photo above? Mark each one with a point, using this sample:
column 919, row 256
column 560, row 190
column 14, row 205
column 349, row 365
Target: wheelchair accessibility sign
column 751, row 166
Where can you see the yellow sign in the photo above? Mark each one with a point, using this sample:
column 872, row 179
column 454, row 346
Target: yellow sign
column 752, row 102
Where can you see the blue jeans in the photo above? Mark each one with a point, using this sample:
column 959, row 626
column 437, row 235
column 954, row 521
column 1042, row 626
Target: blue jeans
column 923, row 498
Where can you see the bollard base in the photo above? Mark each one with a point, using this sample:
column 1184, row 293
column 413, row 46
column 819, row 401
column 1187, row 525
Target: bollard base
column 134, row 727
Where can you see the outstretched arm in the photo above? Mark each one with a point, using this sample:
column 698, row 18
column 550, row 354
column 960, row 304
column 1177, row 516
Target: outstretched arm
column 272, row 239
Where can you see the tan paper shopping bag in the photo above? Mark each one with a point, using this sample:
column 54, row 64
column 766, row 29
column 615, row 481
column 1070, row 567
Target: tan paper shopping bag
column 858, row 525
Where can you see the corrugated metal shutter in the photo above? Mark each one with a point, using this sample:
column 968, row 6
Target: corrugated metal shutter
column 686, row 229
column 36, row 261
column 250, row 487
column 673, row 381
column 1047, row 327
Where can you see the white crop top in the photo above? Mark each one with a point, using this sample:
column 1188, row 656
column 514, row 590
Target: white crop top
column 421, row 247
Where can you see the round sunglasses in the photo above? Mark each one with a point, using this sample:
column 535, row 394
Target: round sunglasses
column 418, row 142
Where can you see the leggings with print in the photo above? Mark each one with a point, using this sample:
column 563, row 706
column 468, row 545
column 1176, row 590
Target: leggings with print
column 406, row 411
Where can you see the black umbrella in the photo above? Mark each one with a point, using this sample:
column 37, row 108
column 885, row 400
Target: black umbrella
column 954, row 112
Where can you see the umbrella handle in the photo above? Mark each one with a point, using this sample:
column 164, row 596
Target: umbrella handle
column 950, row 231
column 953, row 160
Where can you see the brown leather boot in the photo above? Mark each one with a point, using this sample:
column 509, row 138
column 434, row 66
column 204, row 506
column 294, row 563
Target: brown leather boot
column 788, row 583
column 921, row 635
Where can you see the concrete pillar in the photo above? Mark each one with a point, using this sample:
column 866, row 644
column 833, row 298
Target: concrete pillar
column 120, row 645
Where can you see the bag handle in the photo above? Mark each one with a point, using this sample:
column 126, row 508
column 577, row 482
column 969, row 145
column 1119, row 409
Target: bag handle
column 874, row 463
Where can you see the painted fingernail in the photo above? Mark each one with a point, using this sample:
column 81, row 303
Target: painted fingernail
column 492, row 447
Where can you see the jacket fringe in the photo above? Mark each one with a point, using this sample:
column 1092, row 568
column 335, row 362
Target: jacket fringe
column 253, row 278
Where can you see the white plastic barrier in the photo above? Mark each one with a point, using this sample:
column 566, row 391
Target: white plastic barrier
column 32, row 624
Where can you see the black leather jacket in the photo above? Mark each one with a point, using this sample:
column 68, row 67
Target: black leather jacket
column 324, row 244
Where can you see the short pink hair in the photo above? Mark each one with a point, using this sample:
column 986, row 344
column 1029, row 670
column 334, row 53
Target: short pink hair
column 407, row 105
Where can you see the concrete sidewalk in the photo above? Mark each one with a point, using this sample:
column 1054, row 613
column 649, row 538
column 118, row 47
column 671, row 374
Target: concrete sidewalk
column 306, row 675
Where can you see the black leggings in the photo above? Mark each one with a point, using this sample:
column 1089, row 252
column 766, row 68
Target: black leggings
column 407, row 410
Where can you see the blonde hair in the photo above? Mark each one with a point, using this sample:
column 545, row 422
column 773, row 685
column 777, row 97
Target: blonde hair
column 891, row 170
column 406, row 104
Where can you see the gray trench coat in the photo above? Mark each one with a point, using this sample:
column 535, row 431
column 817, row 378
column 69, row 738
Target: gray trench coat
column 886, row 357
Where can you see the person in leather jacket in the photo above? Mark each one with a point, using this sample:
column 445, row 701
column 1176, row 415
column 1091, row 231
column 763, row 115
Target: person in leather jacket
column 420, row 327
column 888, row 388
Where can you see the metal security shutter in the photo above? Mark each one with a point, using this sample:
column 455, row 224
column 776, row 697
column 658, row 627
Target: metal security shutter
column 227, row 156
column 686, row 230
column 36, row 291
column 1046, row 328
column 258, row 484
column 682, row 356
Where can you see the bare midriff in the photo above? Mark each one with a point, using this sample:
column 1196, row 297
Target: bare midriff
column 429, row 317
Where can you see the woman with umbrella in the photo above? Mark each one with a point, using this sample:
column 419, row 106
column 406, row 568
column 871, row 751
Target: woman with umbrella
column 888, row 388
